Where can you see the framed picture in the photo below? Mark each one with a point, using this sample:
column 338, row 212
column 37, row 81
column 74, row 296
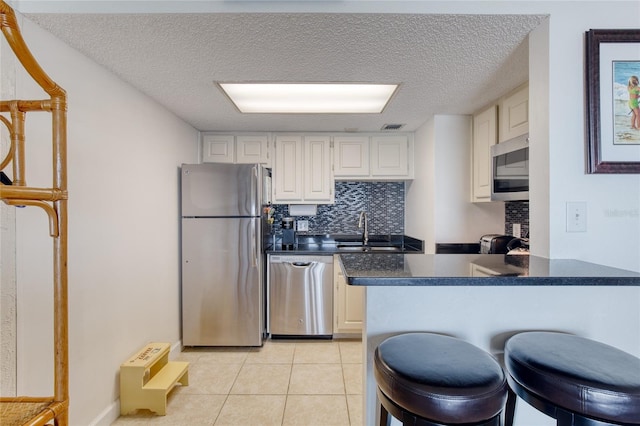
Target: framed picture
column 612, row 63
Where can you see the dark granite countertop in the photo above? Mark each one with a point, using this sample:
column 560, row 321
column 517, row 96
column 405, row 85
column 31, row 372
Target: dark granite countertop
column 479, row 270
column 329, row 244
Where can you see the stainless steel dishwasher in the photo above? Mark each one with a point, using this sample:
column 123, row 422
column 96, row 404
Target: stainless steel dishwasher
column 300, row 296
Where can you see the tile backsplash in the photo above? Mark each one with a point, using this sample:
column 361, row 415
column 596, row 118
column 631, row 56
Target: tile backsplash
column 383, row 202
column 516, row 212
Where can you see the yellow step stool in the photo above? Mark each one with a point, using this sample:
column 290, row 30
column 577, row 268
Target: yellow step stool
column 147, row 378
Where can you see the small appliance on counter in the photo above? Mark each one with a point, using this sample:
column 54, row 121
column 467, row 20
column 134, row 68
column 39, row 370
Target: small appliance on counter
column 495, row 243
column 518, row 246
column 288, row 233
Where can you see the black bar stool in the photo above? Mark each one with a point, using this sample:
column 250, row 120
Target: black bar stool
column 577, row 381
column 427, row 379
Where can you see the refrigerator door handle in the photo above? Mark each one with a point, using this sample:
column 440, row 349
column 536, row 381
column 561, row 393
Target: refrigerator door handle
column 254, row 192
column 254, row 241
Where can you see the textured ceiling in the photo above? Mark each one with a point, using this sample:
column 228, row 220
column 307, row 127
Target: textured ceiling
column 444, row 63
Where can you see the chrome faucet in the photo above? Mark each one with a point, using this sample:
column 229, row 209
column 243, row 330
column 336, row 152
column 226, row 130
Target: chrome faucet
column 365, row 234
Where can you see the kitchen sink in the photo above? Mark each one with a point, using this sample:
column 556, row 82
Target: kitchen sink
column 367, row 248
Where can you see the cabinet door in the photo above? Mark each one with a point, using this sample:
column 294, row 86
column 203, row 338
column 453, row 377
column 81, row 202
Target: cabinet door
column 217, row 148
column 389, row 156
column 351, row 156
column 252, row 149
column 514, row 114
column 484, row 136
column 318, row 176
column 348, row 304
column 287, row 170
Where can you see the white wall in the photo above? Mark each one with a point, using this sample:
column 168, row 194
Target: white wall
column 419, row 194
column 124, row 263
column 7, row 248
column 539, row 131
column 437, row 201
column 567, row 179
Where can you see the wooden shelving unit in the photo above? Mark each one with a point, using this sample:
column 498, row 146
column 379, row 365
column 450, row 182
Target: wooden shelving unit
column 54, row 409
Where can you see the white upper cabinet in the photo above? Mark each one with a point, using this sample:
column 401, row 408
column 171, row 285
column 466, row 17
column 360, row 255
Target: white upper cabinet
column 351, row 156
column 390, row 156
column 484, row 136
column 514, row 114
column 218, row 148
column 489, row 129
column 287, row 170
column 302, row 171
column 252, row 149
column 378, row 157
column 319, row 184
column 239, row 149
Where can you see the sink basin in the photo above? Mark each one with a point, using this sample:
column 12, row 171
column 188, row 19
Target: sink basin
column 367, row 248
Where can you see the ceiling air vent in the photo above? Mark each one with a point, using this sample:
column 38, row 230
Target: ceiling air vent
column 392, row 126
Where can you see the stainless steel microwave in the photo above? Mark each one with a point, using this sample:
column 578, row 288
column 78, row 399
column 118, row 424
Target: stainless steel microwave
column 510, row 170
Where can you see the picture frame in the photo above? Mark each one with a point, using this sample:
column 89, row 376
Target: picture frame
column 612, row 57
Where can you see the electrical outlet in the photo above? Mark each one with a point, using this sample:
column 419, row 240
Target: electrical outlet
column 577, row 216
column 302, row 225
column 517, row 230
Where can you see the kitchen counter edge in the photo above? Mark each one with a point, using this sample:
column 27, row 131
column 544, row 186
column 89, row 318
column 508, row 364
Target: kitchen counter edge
column 450, row 270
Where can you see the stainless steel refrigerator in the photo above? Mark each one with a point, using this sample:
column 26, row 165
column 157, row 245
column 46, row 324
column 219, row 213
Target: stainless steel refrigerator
column 222, row 256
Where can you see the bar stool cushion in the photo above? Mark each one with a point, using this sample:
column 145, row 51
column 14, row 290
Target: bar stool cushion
column 440, row 378
column 577, row 374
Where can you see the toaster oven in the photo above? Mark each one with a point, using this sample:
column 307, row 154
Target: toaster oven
column 494, row 243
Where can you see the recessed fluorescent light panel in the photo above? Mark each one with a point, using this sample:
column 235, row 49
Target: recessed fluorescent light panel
column 309, row 98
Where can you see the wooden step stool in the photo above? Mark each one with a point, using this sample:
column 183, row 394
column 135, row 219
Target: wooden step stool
column 147, row 378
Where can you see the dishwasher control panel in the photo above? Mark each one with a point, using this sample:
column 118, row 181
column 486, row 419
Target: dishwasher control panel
column 293, row 258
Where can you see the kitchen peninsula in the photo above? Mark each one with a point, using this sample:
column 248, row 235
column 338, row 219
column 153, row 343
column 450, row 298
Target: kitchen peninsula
column 485, row 299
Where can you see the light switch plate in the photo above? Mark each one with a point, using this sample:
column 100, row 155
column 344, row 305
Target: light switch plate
column 517, row 230
column 576, row 216
column 302, row 225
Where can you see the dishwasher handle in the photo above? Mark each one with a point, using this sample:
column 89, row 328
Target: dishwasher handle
column 301, row 264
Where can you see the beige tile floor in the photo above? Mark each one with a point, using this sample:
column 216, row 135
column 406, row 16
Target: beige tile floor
column 297, row 383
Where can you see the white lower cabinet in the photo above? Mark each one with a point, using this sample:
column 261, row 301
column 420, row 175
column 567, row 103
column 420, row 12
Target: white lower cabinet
column 302, row 173
column 348, row 303
column 484, row 136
